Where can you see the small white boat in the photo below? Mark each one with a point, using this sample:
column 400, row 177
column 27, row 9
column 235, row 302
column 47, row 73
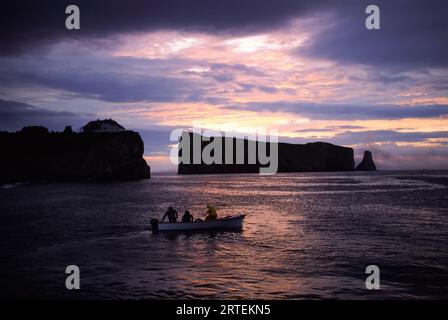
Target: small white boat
column 225, row 223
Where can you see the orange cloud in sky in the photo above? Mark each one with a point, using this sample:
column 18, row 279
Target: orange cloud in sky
column 276, row 57
column 275, row 70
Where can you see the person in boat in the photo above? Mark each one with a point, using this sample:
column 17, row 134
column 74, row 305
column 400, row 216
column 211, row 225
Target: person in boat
column 171, row 214
column 210, row 214
column 187, row 217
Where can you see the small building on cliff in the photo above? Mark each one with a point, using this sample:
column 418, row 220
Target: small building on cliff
column 107, row 125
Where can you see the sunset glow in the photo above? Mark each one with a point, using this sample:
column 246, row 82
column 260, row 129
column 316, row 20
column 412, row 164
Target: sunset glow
column 284, row 77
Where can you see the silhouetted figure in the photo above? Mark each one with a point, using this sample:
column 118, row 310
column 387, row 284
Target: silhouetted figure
column 171, row 214
column 187, row 217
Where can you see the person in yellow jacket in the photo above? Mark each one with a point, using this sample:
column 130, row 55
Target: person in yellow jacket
column 211, row 213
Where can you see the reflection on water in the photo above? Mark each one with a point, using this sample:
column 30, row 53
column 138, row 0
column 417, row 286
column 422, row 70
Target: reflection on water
column 305, row 236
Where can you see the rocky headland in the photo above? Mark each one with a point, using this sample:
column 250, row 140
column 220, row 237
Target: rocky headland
column 35, row 154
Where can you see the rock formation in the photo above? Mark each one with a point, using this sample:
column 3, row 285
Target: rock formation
column 310, row 157
column 34, row 154
column 367, row 163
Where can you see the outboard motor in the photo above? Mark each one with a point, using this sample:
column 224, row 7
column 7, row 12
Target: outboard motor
column 155, row 225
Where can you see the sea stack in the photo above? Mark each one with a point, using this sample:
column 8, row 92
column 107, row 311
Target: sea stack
column 367, row 163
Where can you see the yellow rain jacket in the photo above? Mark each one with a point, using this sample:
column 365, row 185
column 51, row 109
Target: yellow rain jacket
column 211, row 213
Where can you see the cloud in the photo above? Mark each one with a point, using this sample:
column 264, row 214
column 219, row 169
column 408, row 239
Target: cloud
column 25, row 25
column 236, row 68
column 412, row 35
column 107, row 78
column 384, row 78
column 346, row 111
column 329, row 129
column 379, row 136
column 224, row 72
column 15, row 115
column 367, row 137
column 116, row 87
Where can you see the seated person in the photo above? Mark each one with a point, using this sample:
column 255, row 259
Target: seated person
column 211, row 213
column 171, row 214
column 187, row 217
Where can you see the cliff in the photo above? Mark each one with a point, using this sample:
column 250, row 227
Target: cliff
column 315, row 157
column 310, row 157
column 367, row 163
column 35, row 154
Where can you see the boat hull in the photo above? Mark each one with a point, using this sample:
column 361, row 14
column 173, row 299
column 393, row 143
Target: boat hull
column 230, row 223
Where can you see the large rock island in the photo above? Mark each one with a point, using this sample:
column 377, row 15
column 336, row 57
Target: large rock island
column 310, row 157
column 102, row 151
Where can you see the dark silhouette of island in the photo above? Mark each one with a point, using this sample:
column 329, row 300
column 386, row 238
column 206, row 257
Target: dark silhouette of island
column 310, row 157
column 103, row 150
column 367, row 163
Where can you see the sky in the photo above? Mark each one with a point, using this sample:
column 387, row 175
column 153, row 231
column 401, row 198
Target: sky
column 308, row 69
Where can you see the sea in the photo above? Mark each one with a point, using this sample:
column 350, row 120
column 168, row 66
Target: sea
column 305, row 236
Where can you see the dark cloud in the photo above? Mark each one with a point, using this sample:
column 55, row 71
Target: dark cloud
column 412, row 35
column 223, row 77
column 15, row 115
column 328, row 129
column 115, row 87
column 236, row 68
column 249, row 87
column 372, row 136
column 346, row 111
column 223, row 72
column 384, row 78
column 375, row 136
column 27, row 24
column 245, row 87
column 268, row 89
column 111, row 79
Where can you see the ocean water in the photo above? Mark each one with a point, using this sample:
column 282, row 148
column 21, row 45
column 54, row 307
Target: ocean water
column 306, row 236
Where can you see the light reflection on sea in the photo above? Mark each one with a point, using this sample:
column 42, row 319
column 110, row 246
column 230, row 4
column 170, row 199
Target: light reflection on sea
column 305, row 236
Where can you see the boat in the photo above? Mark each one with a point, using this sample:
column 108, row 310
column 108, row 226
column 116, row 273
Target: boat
column 225, row 223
